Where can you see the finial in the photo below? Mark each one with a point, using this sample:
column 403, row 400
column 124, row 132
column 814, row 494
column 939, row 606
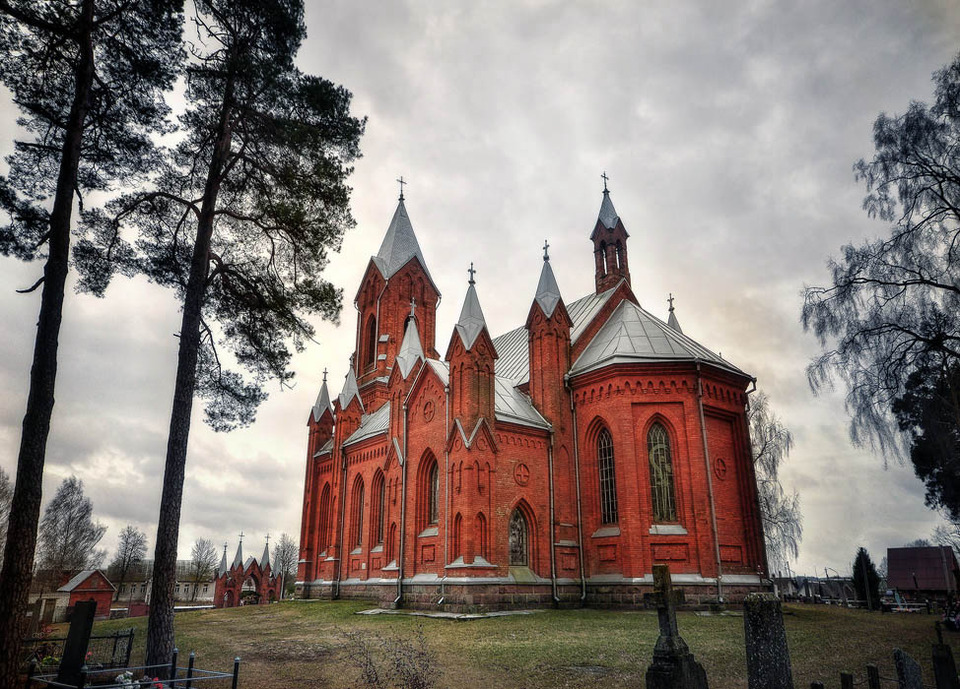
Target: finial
column 472, row 272
column 400, row 180
column 324, row 374
column 605, row 178
column 413, row 307
column 546, row 245
column 224, row 548
column 268, row 538
column 670, row 300
column 241, row 536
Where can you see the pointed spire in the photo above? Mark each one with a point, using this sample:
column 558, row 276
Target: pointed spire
column 672, row 319
column 399, row 244
column 265, row 558
column 471, row 322
column 350, row 390
column 548, row 293
column 323, row 400
column 238, row 558
column 223, row 561
column 608, row 214
column 410, row 349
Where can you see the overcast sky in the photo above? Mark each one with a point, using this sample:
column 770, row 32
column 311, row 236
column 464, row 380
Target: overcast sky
column 728, row 130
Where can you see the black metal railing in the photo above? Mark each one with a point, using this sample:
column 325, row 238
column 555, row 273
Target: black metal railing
column 142, row 677
column 105, row 651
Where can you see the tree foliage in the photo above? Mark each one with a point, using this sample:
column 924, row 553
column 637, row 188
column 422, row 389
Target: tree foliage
column 782, row 519
column 203, row 562
column 893, row 308
column 928, row 413
column 87, row 77
column 6, row 497
column 239, row 223
column 131, row 549
column 68, row 534
column 866, row 580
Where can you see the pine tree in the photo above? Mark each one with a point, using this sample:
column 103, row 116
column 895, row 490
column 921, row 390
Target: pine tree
column 866, row 581
column 239, row 223
column 88, row 78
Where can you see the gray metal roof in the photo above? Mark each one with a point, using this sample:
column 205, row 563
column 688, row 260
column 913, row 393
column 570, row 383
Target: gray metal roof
column 410, row 349
column 632, row 334
column 548, row 292
column 512, row 405
column 265, row 559
column 350, row 390
column 371, row 425
column 323, row 401
column 471, row 322
column 79, row 578
column 325, row 449
column 608, row 214
column 514, row 357
column 399, row 245
column 673, row 322
column 223, row 562
column 441, row 369
column 238, row 558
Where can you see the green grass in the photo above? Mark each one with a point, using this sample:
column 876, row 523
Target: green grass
column 302, row 644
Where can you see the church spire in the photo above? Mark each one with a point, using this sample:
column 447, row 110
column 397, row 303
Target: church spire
column 323, row 400
column 548, row 293
column 672, row 319
column 238, row 558
column 410, row 349
column 471, row 321
column 609, row 239
column 265, row 558
column 399, row 244
column 350, row 389
column 223, row 561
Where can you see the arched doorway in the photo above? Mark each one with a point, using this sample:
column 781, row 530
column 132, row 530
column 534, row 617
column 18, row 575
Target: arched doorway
column 519, row 540
column 228, row 599
column 250, row 591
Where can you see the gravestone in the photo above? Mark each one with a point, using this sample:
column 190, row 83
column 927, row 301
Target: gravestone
column 944, row 666
column 768, row 658
column 909, row 675
column 673, row 667
column 78, row 639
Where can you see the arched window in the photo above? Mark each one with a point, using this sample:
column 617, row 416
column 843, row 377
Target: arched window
column 608, row 478
column 603, row 253
column 379, row 505
column 358, row 512
column 370, row 343
column 519, row 556
column 480, row 537
column 433, row 507
column 324, row 538
column 661, row 474
column 457, row 536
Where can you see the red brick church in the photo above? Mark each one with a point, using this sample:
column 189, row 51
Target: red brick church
column 553, row 464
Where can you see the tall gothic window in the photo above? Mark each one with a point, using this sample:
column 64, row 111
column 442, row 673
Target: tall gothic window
column 433, row 486
column 518, row 540
column 608, row 478
column 370, row 342
column 661, row 474
column 380, row 496
column 358, row 513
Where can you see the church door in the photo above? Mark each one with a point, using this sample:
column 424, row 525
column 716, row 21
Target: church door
column 518, row 540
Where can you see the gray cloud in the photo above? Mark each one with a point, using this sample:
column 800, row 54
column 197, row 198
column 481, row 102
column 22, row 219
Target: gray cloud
column 729, row 133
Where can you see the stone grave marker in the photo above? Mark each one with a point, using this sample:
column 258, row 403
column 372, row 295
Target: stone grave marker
column 78, row 639
column 909, row 675
column 673, row 667
column 768, row 658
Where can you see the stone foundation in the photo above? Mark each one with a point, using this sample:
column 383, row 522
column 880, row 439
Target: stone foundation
column 511, row 595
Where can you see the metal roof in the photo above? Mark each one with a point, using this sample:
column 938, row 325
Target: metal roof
column 399, row 245
column 325, row 449
column 632, row 334
column 350, row 390
column 548, row 292
column 410, row 349
column 323, row 401
column 371, row 425
column 512, row 405
column 265, row 560
column 608, row 214
column 673, row 322
column 238, row 558
column 80, row 578
column 513, row 356
column 927, row 568
column 471, row 322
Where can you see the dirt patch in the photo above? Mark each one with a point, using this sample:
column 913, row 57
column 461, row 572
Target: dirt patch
column 284, row 650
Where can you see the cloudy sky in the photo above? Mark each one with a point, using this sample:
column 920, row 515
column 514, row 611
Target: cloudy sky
column 728, row 131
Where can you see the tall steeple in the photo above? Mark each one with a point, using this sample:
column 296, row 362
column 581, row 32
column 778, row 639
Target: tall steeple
column 410, row 349
column 238, row 558
column 548, row 341
column 350, row 390
column 548, row 293
column 471, row 321
column 609, row 239
column 265, row 558
column 223, row 561
column 323, row 403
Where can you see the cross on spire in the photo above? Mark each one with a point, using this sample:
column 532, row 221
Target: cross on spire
column 400, row 180
column 605, row 178
column 546, row 246
column 241, row 535
column 224, row 548
column 670, row 300
column 324, row 374
column 268, row 537
column 413, row 307
column 472, row 272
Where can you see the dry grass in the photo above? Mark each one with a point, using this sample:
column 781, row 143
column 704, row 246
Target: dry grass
column 302, row 644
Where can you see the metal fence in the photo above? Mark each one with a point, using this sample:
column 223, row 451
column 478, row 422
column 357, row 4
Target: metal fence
column 106, row 651
column 143, row 677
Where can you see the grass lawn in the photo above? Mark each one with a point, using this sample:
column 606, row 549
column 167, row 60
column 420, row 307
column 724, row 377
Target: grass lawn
column 306, row 644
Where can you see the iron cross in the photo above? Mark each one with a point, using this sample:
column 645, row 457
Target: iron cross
column 605, row 178
column 400, row 180
column 546, row 245
column 472, row 272
column 670, row 300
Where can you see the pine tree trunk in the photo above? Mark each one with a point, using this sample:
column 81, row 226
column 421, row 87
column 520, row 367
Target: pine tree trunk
column 160, row 633
column 17, row 571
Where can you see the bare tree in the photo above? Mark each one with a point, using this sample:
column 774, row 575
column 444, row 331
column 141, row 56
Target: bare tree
column 68, row 536
column 285, row 556
column 131, row 549
column 202, row 563
column 780, row 512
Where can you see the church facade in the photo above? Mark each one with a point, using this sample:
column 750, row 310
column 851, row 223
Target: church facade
column 554, row 464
